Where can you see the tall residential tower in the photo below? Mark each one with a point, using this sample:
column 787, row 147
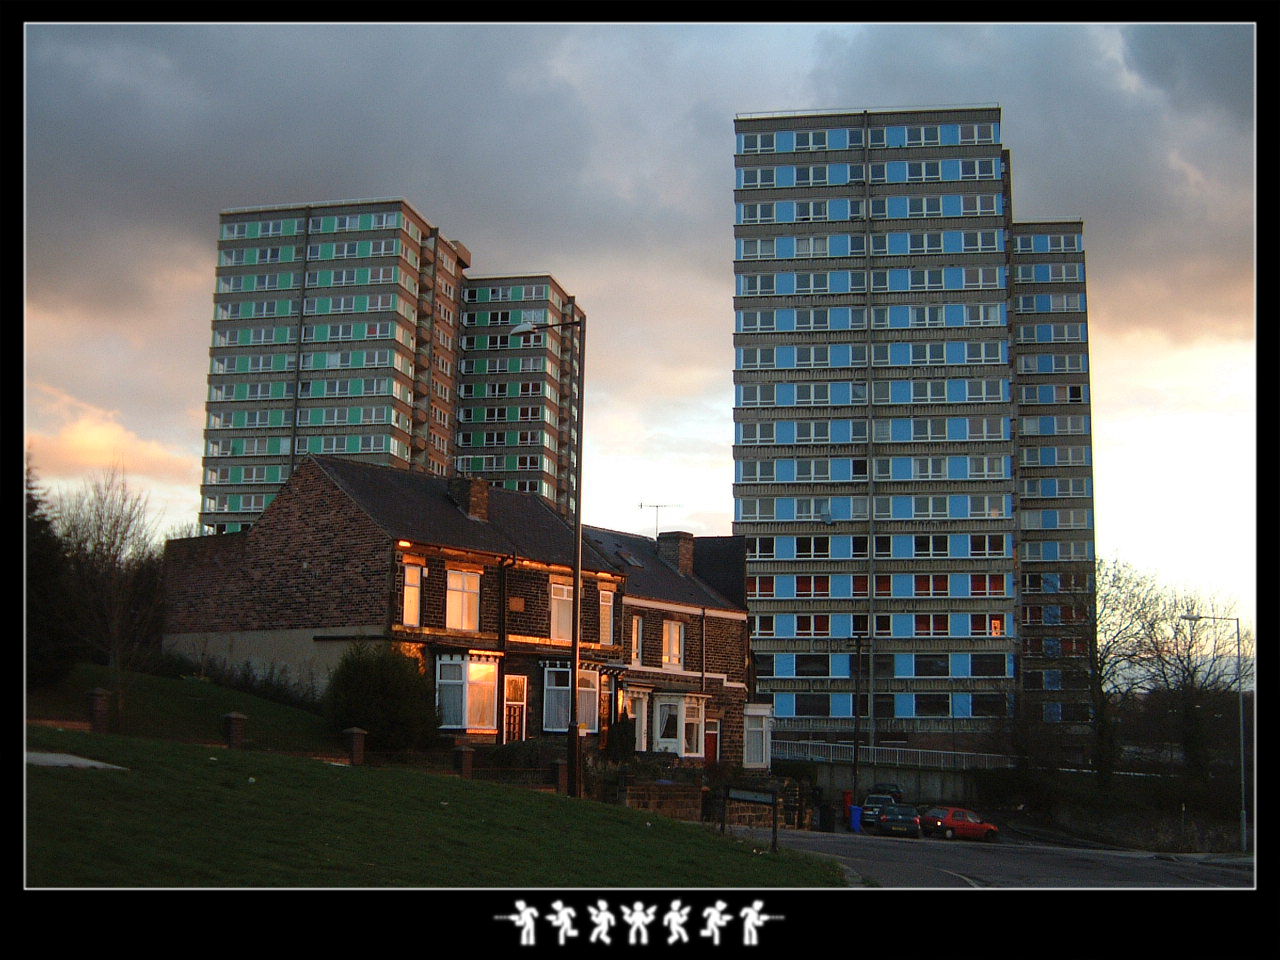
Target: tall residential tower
column 912, row 435
column 339, row 328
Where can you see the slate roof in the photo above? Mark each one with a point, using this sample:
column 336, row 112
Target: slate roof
column 417, row 506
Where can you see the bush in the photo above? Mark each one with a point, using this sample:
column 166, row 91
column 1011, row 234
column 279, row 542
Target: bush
column 386, row 694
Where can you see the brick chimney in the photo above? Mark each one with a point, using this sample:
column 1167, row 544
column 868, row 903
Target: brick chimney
column 676, row 548
column 472, row 495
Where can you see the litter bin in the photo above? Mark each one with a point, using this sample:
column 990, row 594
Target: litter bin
column 855, row 819
column 845, row 807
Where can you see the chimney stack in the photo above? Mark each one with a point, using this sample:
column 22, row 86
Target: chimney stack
column 472, row 495
column 676, row 548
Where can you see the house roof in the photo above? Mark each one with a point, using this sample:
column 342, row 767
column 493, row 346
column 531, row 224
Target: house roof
column 417, row 506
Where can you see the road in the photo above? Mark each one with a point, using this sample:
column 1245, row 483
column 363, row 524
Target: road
column 874, row 861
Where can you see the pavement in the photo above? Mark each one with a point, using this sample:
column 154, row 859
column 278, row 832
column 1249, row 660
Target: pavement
column 67, row 760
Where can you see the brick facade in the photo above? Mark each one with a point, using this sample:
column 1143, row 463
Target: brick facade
column 327, row 564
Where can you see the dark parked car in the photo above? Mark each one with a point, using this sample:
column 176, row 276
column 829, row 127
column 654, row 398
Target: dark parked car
column 871, row 807
column 892, row 789
column 950, row 822
column 899, row 818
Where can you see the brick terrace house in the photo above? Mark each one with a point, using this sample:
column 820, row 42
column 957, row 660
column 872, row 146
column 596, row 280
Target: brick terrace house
column 477, row 582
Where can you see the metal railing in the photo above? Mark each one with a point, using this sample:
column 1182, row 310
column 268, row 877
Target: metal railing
column 820, row 752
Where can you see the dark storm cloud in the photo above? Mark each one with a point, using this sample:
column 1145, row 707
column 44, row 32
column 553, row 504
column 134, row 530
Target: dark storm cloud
column 1200, row 67
column 1163, row 182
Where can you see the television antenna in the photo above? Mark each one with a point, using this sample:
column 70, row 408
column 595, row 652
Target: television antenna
column 656, row 508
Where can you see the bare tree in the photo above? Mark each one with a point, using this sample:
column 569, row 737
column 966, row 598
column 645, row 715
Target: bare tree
column 114, row 603
column 1194, row 660
column 1113, row 616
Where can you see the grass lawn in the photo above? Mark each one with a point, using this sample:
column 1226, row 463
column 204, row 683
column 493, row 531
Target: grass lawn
column 188, row 815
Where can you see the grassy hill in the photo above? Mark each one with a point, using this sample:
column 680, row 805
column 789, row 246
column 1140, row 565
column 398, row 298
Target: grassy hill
column 188, row 815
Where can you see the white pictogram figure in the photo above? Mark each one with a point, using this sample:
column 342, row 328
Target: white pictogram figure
column 717, row 919
column 562, row 919
column 522, row 918
column 752, row 920
column 675, row 919
column 639, row 917
column 603, row 919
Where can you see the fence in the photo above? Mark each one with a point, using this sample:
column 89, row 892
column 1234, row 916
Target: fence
column 821, row 752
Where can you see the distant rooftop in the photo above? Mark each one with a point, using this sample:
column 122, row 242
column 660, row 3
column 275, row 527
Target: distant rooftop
column 843, row 110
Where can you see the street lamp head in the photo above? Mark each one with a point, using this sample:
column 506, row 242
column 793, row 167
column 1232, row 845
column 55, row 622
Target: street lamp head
column 525, row 327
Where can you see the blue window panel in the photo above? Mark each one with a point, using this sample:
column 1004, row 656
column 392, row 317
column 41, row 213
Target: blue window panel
column 786, row 472
column 957, row 428
column 784, row 211
column 784, row 588
column 959, row 545
column 900, row 430
column 900, row 315
column 897, row 208
column 784, row 626
column 952, row 241
column 842, row 705
column 952, row 205
column 784, row 664
column 899, row 281
column 841, row 625
column 901, row 547
column 784, row 704
column 951, row 169
column 1053, row 679
column 840, row 663
column 902, row 585
column 838, row 246
column 904, row 704
column 785, row 432
column 785, row 394
column 896, row 170
column 895, row 136
column 898, row 243
column 784, row 548
column 959, row 586
column 899, row 354
column 904, row 665
column 960, row 665
column 953, row 278
column 958, row 506
column 842, row 470
column 957, row 468
column 899, row 391
column 837, row 209
column 838, row 281
column 900, row 508
column 786, row 176
column 962, row 705
column 956, row 391
column 785, row 508
column 1051, row 712
column 902, row 625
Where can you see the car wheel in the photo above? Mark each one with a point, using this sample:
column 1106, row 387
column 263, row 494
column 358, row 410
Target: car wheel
column 948, row 834
column 991, row 836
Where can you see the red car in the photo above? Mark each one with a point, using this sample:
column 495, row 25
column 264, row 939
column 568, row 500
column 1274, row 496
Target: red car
column 950, row 822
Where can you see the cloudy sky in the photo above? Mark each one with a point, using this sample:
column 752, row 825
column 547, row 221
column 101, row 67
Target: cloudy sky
column 604, row 155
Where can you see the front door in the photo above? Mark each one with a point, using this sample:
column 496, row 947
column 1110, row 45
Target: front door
column 711, row 742
column 513, row 712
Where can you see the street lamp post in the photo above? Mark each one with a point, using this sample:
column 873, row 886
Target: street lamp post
column 576, row 626
column 1244, row 824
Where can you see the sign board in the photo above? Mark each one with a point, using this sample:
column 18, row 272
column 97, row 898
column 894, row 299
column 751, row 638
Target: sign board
column 751, row 796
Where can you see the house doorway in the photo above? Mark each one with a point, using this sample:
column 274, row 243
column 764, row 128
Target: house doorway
column 711, row 742
column 513, row 709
